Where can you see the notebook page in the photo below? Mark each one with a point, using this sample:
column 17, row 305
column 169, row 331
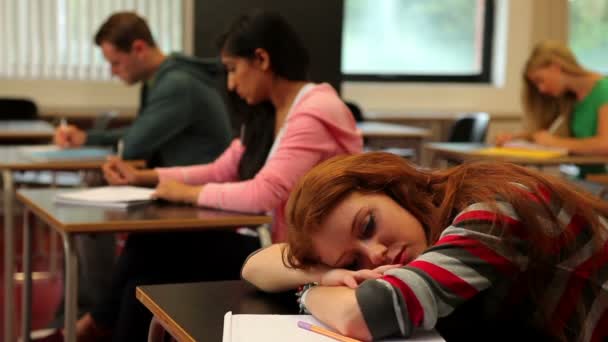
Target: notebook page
column 271, row 328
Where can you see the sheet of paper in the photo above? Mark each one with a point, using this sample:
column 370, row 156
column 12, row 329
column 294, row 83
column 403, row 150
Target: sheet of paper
column 107, row 196
column 54, row 153
column 271, row 328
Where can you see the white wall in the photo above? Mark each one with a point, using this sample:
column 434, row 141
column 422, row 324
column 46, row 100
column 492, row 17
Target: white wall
column 516, row 20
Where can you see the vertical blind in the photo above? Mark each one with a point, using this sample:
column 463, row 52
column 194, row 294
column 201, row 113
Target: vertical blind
column 53, row 39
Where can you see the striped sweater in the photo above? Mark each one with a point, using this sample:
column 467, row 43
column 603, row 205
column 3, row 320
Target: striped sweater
column 470, row 257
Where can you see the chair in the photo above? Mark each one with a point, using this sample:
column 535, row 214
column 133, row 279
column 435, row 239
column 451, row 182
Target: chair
column 472, row 128
column 407, row 153
column 18, row 109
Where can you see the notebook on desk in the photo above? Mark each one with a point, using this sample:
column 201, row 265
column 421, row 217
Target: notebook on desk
column 107, row 196
column 54, row 153
column 271, row 328
column 525, row 149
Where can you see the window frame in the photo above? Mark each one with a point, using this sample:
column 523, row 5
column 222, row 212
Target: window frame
column 485, row 76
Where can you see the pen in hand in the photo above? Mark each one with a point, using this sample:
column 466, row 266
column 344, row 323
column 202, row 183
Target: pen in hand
column 63, row 127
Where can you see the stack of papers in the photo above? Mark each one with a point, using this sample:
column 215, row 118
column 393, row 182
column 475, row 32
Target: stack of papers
column 54, row 153
column 524, row 149
column 107, row 196
column 270, row 328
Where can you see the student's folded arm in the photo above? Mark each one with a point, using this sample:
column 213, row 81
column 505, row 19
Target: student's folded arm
column 265, row 270
column 223, row 169
column 166, row 114
column 304, row 145
column 463, row 263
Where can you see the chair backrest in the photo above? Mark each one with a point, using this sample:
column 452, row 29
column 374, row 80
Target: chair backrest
column 356, row 110
column 471, row 127
column 18, row 109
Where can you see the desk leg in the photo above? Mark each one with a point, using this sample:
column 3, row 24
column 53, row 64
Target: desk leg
column 9, row 256
column 26, row 297
column 71, row 287
column 53, row 237
column 156, row 333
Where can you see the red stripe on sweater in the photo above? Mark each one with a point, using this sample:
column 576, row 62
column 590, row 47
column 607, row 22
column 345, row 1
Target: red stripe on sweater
column 446, row 279
column 483, row 252
column 578, row 278
column 414, row 308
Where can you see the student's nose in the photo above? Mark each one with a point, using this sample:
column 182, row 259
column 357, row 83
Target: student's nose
column 230, row 82
column 376, row 253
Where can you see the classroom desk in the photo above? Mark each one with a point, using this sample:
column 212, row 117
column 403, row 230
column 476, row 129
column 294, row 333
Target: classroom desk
column 25, row 130
column 71, row 220
column 12, row 159
column 202, row 319
column 382, row 135
column 461, row 152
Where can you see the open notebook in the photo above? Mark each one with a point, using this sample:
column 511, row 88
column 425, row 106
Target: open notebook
column 524, row 149
column 271, row 328
column 107, row 196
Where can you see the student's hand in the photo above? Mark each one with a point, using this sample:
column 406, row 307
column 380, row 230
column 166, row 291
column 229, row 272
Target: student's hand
column 69, row 136
column 544, row 138
column 352, row 279
column 117, row 172
column 503, row 138
column 174, row 191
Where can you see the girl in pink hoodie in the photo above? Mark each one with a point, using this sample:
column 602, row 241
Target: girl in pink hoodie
column 289, row 126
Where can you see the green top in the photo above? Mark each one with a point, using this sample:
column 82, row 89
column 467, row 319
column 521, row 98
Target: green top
column 583, row 123
column 182, row 119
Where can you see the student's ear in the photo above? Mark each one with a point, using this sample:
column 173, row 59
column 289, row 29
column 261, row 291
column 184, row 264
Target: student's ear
column 262, row 59
column 138, row 46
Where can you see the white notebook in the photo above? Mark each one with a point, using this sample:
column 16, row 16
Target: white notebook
column 107, row 196
column 271, row 328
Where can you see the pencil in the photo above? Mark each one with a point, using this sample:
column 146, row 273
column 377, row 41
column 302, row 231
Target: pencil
column 325, row 332
column 555, row 125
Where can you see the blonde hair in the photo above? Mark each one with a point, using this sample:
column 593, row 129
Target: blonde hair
column 541, row 110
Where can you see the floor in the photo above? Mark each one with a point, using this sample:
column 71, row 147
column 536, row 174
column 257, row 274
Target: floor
column 47, row 289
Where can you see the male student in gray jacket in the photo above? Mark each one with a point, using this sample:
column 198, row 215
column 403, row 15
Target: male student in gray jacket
column 181, row 120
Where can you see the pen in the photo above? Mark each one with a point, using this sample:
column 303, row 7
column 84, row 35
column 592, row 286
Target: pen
column 325, row 332
column 120, row 146
column 555, row 125
column 63, row 127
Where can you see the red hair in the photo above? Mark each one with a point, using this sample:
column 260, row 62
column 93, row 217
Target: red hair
column 434, row 198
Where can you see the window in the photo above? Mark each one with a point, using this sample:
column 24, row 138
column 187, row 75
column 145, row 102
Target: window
column 417, row 40
column 588, row 33
column 53, row 39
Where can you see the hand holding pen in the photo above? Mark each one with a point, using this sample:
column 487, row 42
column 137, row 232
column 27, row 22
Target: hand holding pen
column 67, row 136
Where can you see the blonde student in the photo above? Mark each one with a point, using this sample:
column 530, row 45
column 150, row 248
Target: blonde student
column 566, row 104
column 482, row 251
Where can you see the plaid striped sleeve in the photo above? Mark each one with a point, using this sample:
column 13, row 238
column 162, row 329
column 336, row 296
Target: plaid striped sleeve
column 467, row 259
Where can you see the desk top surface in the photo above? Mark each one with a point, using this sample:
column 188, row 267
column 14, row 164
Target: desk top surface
column 153, row 216
column 25, row 129
column 391, row 130
column 468, row 151
column 195, row 311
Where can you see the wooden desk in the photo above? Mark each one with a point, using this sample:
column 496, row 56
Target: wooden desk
column 203, row 319
column 468, row 151
column 26, row 130
column 382, row 135
column 71, row 220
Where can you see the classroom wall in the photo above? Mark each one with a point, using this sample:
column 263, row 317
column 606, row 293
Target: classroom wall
column 518, row 22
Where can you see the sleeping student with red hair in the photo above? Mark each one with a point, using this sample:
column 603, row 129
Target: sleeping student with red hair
column 481, row 251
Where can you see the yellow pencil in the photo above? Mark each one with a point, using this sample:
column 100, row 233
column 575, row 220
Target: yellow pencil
column 323, row 331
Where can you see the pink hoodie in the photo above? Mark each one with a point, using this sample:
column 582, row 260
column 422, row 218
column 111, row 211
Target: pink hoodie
column 318, row 127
